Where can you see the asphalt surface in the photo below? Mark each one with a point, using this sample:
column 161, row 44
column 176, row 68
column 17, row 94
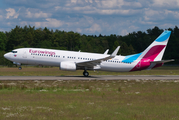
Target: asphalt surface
column 103, row 77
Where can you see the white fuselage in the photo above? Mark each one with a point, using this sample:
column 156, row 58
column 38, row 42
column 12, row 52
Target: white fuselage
column 50, row 57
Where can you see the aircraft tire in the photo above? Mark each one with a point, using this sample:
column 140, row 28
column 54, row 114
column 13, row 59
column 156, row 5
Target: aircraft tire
column 85, row 73
column 20, row 68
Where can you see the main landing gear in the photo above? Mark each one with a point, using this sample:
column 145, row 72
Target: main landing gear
column 85, row 73
column 20, row 68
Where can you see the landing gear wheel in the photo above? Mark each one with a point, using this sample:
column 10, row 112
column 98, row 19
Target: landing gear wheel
column 20, row 68
column 85, row 73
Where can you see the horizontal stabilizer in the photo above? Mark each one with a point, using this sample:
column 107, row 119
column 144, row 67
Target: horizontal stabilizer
column 163, row 61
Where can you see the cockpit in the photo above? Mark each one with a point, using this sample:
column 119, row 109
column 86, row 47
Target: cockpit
column 14, row 51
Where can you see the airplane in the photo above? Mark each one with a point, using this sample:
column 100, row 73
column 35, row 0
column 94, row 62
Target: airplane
column 150, row 58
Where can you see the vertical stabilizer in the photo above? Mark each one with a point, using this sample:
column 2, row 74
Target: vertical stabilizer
column 156, row 50
column 147, row 59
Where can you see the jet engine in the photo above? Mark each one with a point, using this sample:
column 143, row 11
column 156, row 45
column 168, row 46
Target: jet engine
column 68, row 66
column 17, row 63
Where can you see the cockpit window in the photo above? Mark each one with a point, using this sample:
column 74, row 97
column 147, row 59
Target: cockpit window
column 14, row 51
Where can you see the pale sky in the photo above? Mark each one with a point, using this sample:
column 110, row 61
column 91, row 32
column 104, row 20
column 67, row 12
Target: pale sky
column 90, row 17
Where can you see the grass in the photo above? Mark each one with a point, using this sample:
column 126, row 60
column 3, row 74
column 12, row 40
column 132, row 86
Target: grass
column 54, row 71
column 87, row 100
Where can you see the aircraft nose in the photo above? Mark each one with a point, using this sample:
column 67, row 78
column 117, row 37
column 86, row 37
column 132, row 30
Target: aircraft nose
column 7, row 55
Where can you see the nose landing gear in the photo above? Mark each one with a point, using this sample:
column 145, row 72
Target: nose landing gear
column 18, row 64
column 85, row 73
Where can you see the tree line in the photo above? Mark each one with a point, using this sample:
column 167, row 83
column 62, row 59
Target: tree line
column 136, row 42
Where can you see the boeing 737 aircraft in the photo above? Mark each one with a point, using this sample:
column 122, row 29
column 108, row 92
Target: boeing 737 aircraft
column 150, row 58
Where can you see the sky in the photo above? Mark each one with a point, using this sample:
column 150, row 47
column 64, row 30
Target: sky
column 90, row 17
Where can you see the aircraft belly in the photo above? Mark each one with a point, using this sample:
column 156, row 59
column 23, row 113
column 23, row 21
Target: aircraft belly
column 117, row 68
column 20, row 60
column 43, row 62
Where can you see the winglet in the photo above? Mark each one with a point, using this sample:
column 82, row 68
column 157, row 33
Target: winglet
column 106, row 52
column 115, row 52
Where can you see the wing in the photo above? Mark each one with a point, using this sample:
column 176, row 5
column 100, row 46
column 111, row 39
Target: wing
column 92, row 63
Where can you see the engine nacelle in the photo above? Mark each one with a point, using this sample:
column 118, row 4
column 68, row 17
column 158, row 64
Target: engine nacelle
column 68, row 66
column 17, row 63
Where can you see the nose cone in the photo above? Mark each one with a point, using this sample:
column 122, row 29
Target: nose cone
column 7, row 55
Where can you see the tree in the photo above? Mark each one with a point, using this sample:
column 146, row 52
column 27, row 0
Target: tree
column 132, row 43
column 155, row 31
column 3, row 41
column 124, row 49
column 131, row 49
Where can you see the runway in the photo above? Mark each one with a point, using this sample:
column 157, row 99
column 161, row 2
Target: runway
column 101, row 77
